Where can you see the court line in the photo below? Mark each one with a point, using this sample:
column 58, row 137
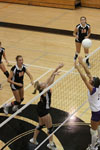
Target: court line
column 29, row 85
column 41, row 67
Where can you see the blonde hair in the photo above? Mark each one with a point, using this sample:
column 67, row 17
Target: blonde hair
column 36, row 86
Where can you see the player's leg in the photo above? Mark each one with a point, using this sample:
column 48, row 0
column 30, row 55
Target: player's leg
column 17, row 101
column 37, row 131
column 48, row 122
column 86, row 51
column 21, row 92
column 13, row 104
column 3, row 68
column 93, row 132
column 78, row 48
column 98, row 141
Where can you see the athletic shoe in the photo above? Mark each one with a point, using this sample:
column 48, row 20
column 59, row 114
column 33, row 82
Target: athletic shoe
column 5, row 109
column 32, row 141
column 52, row 146
column 90, row 147
column 15, row 108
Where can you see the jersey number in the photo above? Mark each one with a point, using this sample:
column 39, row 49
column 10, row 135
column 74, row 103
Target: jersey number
column 21, row 74
column 83, row 31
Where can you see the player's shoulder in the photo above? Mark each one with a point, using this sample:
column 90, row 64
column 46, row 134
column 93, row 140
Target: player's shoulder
column 2, row 48
column 13, row 68
column 88, row 25
column 24, row 67
column 78, row 25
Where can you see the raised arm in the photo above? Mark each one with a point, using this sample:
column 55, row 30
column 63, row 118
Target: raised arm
column 30, row 76
column 11, row 81
column 50, row 80
column 88, row 85
column 85, row 67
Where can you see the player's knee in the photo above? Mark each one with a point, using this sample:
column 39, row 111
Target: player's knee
column 39, row 127
column 93, row 132
column 50, row 130
column 6, row 74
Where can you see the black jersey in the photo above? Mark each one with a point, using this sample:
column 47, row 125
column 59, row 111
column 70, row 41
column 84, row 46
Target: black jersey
column 18, row 75
column 82, row 31
column 1, row 53
column 45, row 100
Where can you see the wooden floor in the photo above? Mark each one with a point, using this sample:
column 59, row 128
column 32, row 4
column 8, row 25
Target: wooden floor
column 42, row 51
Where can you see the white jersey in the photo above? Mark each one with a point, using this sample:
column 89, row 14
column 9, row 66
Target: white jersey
column 94, row 99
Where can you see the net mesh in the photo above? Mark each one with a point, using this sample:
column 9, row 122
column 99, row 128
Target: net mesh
column 69, row 91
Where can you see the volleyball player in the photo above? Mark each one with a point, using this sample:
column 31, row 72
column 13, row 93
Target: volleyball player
column 2, row 66
column 43, row 109
column 93, row 86
column 17, row 84
column 82, row 31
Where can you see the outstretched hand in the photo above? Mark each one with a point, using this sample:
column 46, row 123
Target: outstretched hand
column 60, row 65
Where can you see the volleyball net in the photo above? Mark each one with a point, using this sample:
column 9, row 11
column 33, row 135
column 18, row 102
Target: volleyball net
column 69, row 93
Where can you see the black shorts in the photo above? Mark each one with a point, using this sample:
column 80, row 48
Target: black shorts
column 79, row 40
column 14, row 88
column 42, row 111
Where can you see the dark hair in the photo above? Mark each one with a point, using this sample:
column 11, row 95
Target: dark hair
column 37, row 87
column 17, row 57
column 0, row 43
column 96, row 82
column 83, row 17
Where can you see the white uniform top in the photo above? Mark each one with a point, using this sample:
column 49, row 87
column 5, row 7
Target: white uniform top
column 94, row 100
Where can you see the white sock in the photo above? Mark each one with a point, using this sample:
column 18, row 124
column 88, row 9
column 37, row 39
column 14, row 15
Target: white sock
column 93, row 137
column 99, row 133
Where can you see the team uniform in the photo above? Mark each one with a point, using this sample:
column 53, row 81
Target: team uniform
column 18, row 76
column 94, row 101
column 43, row 107
column 1, row 53
column 82, row 32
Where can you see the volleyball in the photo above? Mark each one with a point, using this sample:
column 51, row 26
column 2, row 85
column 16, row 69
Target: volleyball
column 86, row 43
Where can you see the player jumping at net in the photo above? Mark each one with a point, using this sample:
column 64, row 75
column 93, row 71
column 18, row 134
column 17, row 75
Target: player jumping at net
column 82, row 31
column 17, row 84
column 43, row 109
column 93, row 86
column 2, row 66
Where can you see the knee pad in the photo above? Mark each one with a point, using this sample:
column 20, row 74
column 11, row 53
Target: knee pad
column 6, row 74
column 22, row 99
column 93, row 132
column 50, row 130
column 39, row 127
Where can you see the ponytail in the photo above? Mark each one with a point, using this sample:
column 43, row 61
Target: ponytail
column 36, row 86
